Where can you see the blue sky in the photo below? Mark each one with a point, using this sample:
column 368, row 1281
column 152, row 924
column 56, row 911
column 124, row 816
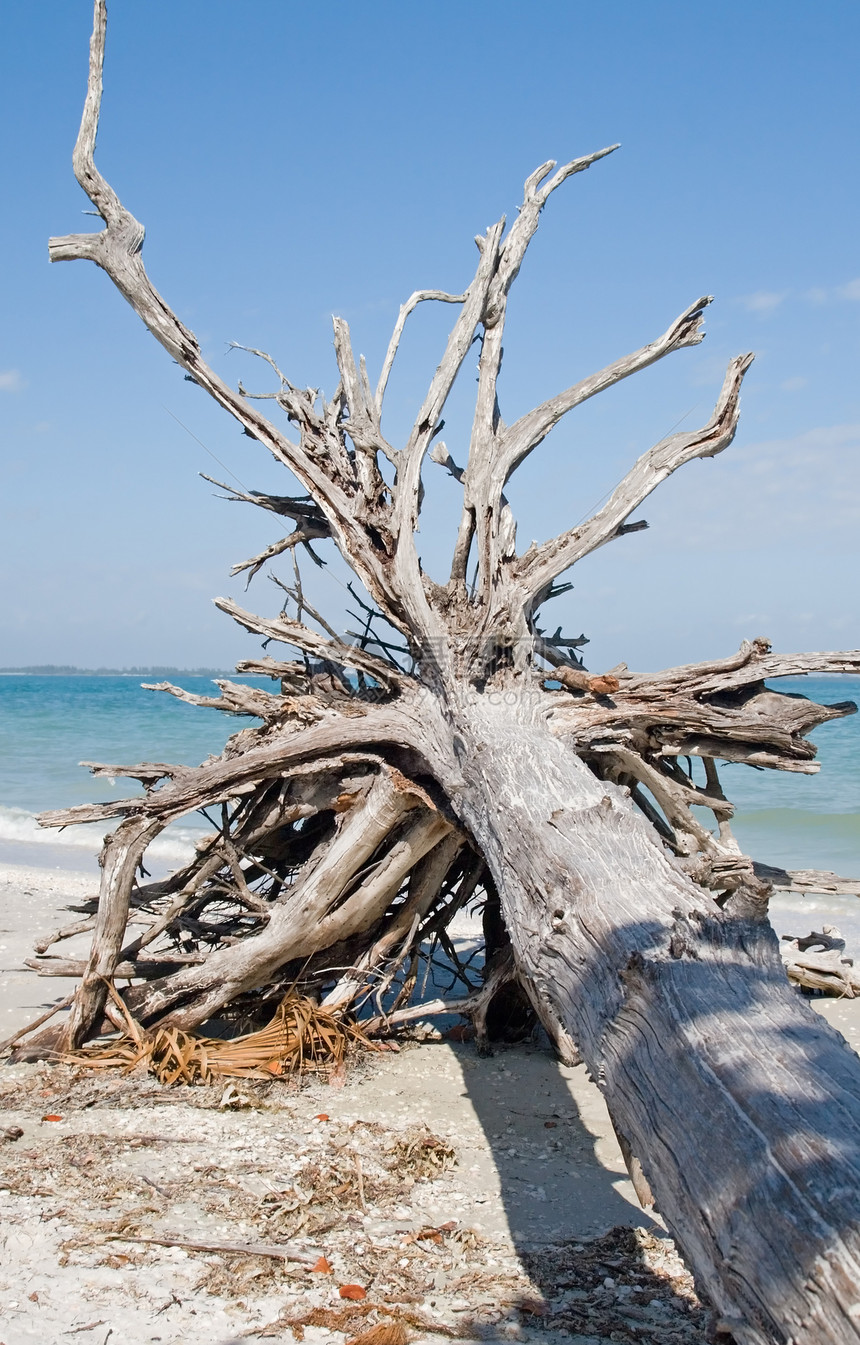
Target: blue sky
column 292, row 161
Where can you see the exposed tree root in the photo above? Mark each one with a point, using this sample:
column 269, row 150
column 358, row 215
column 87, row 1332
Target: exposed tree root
column 450, row 753
column 338, row 874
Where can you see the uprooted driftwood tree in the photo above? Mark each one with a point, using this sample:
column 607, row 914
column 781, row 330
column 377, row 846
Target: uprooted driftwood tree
column 454, row 749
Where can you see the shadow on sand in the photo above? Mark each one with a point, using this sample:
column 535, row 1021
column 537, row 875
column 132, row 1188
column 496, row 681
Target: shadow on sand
column 574, row 1220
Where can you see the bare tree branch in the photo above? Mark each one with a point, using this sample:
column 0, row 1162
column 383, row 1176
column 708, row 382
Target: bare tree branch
column 540, row 565
column 317, row 461
column 407, row 492
column 340, row 739
column 674, row 798
column 363, row 425
column 288, row 543
column 419, row 297
column 526, row 433
column 484, row 304
column 267, row 359
column 313, row 526
column 235, row 699
column 536, row 193
column 754, row 661
column 302, row 509
column 487, row 428
column 685, row 711
column 295, row 633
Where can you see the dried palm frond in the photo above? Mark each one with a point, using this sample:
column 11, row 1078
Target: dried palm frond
column 353, row 1317
column 302, row 1036
column 384, row 1333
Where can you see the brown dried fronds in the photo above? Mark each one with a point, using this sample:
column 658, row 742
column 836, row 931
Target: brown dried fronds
column 384, row 1333
column 302, row 1036
column 390, row 1331
column 418, row 1153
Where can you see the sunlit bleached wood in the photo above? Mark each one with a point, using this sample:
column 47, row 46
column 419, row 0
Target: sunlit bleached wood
column 809, row 880
column 531, row 429
column 407, row 574
column 117, row 250
column 481, row 504
column 370, row 803
column 363, row 425
column 313, row 915
column 818, row 961
column 296, row 633
column 539, row 566
column 419, row 297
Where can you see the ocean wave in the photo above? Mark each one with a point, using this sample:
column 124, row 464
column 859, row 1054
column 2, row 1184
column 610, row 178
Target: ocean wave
column 175, row 844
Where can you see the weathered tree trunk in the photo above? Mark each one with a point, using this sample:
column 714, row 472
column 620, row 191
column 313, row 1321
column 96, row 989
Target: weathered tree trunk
column 682, row 1012
column 454, row 739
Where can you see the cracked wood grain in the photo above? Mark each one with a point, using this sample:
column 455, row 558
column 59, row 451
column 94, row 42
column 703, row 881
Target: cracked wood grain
column 356, row 818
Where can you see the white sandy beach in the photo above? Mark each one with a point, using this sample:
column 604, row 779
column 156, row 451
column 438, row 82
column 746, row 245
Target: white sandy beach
column 537, row 1175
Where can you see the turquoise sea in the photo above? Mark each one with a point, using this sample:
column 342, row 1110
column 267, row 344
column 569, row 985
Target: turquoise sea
column 49, row 724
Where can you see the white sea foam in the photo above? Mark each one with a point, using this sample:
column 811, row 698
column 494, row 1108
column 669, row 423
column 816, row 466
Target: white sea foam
column 174, row 846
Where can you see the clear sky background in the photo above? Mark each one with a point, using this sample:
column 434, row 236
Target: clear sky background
column 291, row 161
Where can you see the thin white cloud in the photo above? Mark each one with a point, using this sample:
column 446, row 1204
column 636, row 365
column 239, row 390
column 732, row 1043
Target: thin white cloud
column 11, row 380
column 763, row 301
column 794, row 384
column 803, row 491
column 767, row 301
column 819, row 295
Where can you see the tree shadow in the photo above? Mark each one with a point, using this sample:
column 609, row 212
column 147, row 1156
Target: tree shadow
column 558, row 1175
column 603, row 1266
column 708, row 1029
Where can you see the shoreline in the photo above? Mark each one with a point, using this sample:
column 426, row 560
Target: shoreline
column 157, row 671
column 34, row 902
column 38, row 883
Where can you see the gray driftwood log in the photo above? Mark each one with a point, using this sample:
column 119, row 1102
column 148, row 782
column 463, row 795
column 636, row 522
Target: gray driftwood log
column 453, row 748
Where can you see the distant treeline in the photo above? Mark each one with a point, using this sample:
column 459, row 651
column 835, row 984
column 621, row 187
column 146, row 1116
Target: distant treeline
column 65, row 670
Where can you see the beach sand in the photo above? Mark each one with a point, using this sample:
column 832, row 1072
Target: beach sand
column 522, row 1211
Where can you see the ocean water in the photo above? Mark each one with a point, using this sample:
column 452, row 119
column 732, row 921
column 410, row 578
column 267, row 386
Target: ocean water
column 50, row 724
column 805, row 821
